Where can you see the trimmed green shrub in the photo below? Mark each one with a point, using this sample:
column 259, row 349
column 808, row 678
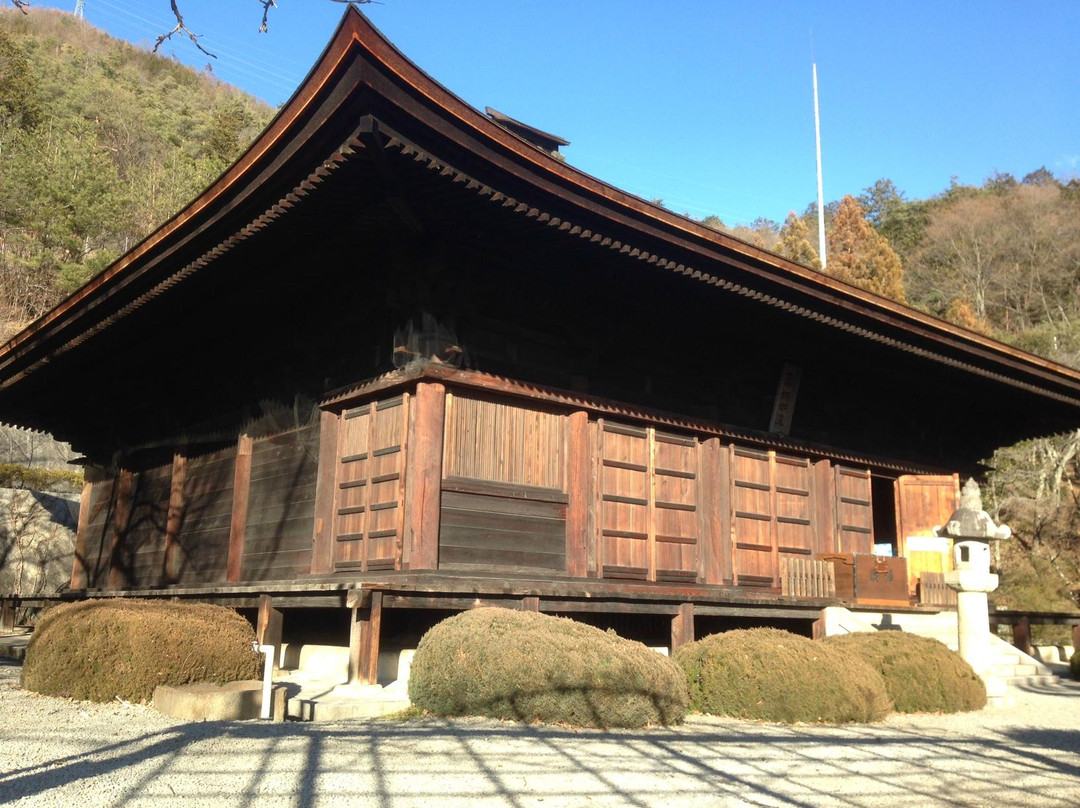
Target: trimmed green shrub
column 526, row 666
column 1074, row 663
column 921, row 674
column 97, row 650
column 38, row 479
column 767, row 674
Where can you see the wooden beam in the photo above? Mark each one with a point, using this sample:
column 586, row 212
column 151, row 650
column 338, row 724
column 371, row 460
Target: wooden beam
column 241, row 495
column 322, row 542
column 364, row 642
column 579, row 486
column 170, row 566
column 682, row 626
column 530, row 603
column 78, row 568
column 121, row 518
column 423, row 476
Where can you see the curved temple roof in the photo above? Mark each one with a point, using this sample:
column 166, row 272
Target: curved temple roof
column 364, row 100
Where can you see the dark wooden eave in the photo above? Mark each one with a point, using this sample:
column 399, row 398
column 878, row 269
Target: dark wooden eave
column 367, row 120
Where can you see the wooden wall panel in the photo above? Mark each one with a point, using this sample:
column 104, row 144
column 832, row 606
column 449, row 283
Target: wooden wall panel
column 675, row 499
column 504, row 442
column 650, row 524
column 143, row 543
column 624, row 501
column 370, row 491
column 281, row 505
column 752, row 518
column 794, row 506
column 481, row 531
column 854, row 511
column 99, row 532
column 206, row 519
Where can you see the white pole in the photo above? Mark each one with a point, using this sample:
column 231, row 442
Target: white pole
column 820, row 190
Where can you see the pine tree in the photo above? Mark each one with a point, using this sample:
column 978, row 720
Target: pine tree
column 861, row 256
column 794, row 242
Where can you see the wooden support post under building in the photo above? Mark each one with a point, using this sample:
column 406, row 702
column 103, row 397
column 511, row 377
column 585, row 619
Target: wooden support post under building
column 7, row 615
column 682, row 626
column 238, row 525
column 269, row 625
column 364, row 641
column 1022, row 635
column 530, row 603
column 1076, row 639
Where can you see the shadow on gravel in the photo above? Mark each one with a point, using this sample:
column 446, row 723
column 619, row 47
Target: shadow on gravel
column 431, row 760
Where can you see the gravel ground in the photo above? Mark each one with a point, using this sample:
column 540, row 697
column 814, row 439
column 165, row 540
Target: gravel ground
column 65, row 753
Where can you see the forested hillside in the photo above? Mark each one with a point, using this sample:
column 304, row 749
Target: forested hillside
column 100, row 142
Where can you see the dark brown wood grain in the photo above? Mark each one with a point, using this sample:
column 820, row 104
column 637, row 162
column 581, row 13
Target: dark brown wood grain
column 423, row 476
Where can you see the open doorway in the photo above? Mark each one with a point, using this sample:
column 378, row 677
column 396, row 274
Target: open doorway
column 883, row 496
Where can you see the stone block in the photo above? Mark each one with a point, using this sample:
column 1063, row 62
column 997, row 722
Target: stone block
column 201, row 701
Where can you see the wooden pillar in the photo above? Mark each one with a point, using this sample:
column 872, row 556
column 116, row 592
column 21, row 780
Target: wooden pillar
column 121, row 518
column 238, row 525
column 1076, row 639
column 78, row 568
column 364, row 641
column 682, row 626
column 322, row 543
column 530, row 603
column 170, row 572
column 268, row 625
column 714, row 546
column 423, row 476
column 7, row 615
column 579, row 488
column 1022, row 635
column 826, row 536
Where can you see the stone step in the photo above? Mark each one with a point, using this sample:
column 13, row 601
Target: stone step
column 1035, row 680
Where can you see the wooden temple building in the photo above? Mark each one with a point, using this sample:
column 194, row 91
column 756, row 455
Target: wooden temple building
column 403, row 358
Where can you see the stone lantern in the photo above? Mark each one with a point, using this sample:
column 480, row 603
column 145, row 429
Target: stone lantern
column 971, row 529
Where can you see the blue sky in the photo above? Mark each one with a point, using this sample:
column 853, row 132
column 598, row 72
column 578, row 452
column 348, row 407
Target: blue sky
column 706, row 105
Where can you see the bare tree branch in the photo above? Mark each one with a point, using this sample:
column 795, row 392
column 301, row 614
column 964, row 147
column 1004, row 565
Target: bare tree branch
column 180, row 28
column 267, row 5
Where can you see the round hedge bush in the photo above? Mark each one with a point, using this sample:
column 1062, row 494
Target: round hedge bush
column 1074, row 663
column 96, row 650
column 526, row 666
column 767, row 674
column 921, row 674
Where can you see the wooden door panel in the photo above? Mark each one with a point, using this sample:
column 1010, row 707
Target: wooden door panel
column 923, row 503
column 854, row 511
column 369, row 485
